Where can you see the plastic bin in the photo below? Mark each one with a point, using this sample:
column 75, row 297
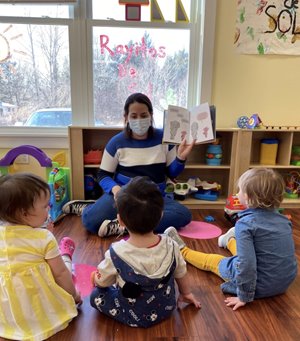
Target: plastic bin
column 268, row 151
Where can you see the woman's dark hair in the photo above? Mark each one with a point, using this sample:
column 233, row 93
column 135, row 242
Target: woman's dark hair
column 18, row 194
column 140, row 205
column 139, row 98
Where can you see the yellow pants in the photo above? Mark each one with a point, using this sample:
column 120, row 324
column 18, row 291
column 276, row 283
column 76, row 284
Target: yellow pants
column 207, row 261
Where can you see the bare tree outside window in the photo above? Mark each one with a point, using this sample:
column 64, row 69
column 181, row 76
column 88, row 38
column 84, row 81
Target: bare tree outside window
column 37, row 74
column 141, row 64
column 152, row 57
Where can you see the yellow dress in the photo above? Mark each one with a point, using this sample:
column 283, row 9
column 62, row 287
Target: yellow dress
column 33, row 306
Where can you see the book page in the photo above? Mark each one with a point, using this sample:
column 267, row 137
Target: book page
column 176, row 124
column 201, row 127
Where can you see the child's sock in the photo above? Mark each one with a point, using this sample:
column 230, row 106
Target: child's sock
column 231, row 246
column 203, row 261
column 68, row 262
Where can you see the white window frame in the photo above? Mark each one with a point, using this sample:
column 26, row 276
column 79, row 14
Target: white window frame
column 81, row 68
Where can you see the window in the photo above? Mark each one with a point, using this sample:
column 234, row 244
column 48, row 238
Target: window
column 34, row 61
column 87, row 57
column 150, row 61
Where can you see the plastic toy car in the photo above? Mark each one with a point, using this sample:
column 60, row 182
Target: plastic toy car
column 232, row 208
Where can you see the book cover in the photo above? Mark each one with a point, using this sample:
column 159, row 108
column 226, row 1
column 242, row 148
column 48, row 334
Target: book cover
column 195, row 124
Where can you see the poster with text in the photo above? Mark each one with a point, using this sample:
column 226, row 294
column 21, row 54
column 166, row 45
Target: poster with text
column 268, row 27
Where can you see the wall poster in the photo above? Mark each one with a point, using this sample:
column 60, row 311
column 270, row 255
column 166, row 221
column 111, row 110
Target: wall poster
column 268, row 27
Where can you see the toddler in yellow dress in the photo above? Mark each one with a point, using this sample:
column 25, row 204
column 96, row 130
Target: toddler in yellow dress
column 38, row 297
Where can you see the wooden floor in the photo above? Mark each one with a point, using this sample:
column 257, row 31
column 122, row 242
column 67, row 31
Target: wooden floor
column 273, row 319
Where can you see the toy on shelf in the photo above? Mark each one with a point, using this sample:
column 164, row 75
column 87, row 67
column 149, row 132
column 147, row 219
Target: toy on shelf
column 169, row 190
column 206, row 185
column 178, row 190
column 232, row 208
column 208, row 195
column 182, row 189
column 93, row 157
column 292, row 187
column 214, row 153
column 58, row 177
column 268, row 151
column 251, row 122
column 92, row 190
column 295, row 157
column 207, row 190
column 194, row 181
column 242, row 122
column 254, row 121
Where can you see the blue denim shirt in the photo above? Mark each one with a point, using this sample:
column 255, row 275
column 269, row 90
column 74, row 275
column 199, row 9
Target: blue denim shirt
column 265, row 264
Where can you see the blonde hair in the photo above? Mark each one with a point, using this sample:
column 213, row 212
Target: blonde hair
column 263, row 186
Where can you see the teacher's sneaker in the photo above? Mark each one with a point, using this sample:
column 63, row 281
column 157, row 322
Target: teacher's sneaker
column 173, row 233
column 224, row 238
column 76, row 206
column 110, row 228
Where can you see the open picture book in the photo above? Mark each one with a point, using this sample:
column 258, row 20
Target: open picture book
column 198, row 124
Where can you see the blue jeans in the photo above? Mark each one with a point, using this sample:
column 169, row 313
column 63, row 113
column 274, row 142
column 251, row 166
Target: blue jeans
column 104, row 208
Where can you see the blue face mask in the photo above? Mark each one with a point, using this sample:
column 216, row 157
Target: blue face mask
column 140, row 126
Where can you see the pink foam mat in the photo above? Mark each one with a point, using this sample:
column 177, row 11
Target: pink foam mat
column 200, row 230
column 82, row 278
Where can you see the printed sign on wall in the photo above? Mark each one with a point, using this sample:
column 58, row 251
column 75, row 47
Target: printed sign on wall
column 268, row 27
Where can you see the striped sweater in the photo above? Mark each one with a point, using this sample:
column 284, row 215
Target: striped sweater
column 125, row 158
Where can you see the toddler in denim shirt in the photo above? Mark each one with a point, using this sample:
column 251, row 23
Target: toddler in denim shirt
column 263, row 261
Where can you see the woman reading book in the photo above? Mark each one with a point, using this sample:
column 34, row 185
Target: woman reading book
column 136, row 151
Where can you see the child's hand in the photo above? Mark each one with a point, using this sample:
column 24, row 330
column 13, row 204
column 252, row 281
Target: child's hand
column 93, row 278
column 115, row 191
column 184, row 149
column 50, row 226
column 235, row 302
column 189, row 298
column 77, row 298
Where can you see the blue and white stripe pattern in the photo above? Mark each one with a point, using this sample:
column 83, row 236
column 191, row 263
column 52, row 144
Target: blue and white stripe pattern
column 125, row 158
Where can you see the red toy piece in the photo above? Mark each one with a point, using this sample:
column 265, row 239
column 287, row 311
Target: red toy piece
column 232, row 208
column 93, row 157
